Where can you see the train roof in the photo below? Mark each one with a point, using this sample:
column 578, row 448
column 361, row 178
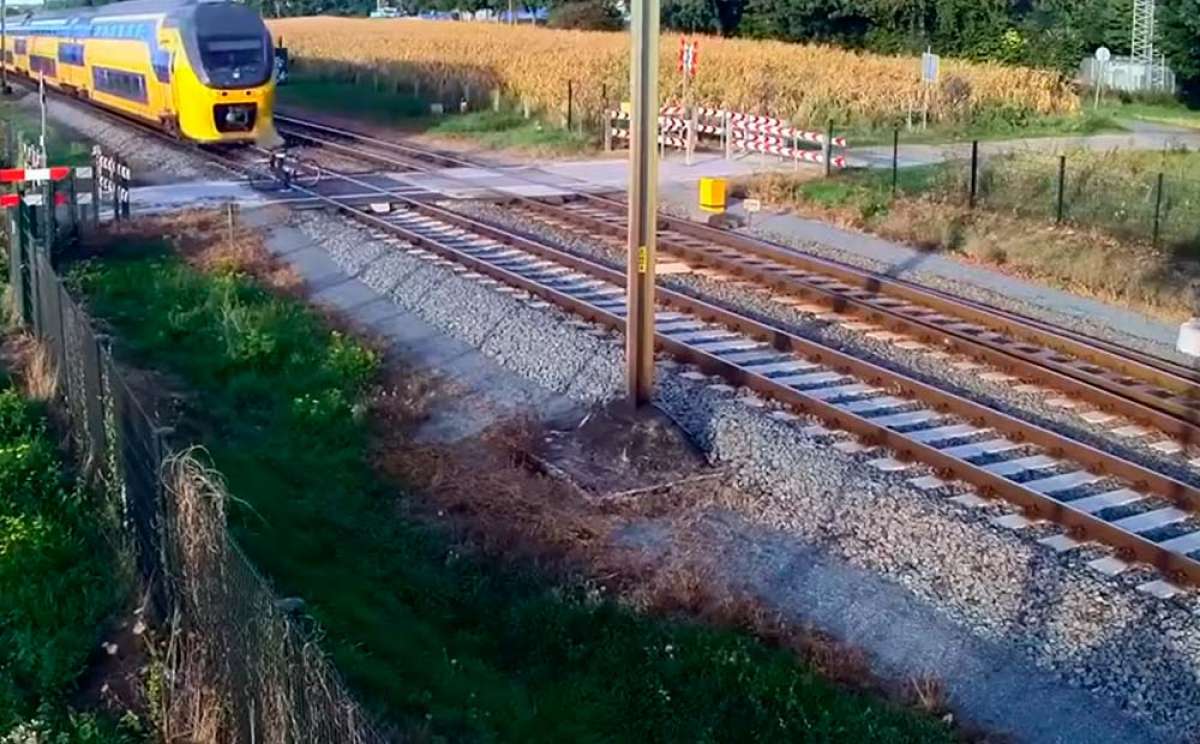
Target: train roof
column 127, row 8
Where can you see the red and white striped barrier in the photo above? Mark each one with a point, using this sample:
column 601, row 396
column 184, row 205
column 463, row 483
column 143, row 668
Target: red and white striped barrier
column 8, row 201
column 663, row 139
column 735, row 131
column 34, row 175
column 783, row 151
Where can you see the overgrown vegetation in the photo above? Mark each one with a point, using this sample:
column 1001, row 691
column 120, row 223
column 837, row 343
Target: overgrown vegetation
column 439, row 640
column 1104, row 246
column 59, row 586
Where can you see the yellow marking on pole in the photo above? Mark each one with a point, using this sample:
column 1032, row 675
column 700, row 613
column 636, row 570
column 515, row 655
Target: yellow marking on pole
column 643, row 260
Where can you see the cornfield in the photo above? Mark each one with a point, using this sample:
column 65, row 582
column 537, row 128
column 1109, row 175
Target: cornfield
column 804, row 83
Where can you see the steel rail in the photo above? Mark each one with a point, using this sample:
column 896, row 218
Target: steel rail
column 448, row 241
column 1096, row 371
column 777, row 348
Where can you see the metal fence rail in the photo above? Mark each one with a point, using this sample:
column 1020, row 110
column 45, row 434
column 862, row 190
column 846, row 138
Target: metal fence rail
column 240, row 669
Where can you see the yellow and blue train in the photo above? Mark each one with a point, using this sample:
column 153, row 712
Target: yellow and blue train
column 199, row 69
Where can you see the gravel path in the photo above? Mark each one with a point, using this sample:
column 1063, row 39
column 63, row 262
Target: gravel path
column 1099, row 635
column 920, row 364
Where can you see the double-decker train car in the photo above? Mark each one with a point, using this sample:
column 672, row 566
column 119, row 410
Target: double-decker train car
column 202, row 70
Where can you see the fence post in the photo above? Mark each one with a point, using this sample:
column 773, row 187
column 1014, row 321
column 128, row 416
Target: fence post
column 1158, row 198
column 93, row 401
column 829, row 149
column 974, row 173
column 73, row 206
column 607, row 123
column 895, row 159
column 1062, row 186
column 570, row 102
column 95, row 189
column 48, row 212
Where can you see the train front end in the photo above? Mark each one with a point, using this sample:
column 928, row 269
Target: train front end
column 225, row 91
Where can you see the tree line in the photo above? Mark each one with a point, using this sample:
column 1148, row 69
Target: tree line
column 1053, row 34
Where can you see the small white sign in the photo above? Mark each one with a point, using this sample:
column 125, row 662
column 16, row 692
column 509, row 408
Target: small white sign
column 1103, row 55
column 752, row 205
column 930, row 66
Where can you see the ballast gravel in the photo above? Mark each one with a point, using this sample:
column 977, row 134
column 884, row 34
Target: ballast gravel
column 1095, row 633
column 918, row 364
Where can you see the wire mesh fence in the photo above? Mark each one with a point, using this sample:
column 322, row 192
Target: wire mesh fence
column 1126, row 197
column 239, row 667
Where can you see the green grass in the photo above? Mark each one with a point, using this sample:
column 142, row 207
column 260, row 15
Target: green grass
column 347, row 99
column 432, row 639
column 984, row 128
column 506, row 129
column 869, row 192
column 402, row 110
column 1169, row 112
column 59, row 584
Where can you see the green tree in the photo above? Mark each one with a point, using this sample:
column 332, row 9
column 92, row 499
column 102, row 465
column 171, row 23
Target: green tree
column 832, row 21
column 1180, row 31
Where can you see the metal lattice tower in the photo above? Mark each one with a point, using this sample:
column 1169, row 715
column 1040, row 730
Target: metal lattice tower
column 1142, row 46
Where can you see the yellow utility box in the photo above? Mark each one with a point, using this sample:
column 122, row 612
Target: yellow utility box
column 712, row 194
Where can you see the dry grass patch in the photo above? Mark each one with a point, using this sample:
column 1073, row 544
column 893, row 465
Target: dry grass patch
column 1083, row 260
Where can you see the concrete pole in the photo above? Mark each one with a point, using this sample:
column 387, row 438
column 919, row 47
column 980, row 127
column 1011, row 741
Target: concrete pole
column 643, row 207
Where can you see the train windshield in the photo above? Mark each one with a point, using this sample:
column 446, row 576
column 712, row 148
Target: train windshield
column 233, row 57
column 229, row 46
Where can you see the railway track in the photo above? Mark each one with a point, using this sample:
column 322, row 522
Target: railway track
column 1092, row 495
column 1122, row 382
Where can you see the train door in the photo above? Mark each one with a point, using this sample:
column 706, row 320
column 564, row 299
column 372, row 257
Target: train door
column 163, row 57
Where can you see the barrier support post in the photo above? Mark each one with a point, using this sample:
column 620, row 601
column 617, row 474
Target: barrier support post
column 829, row 149
column 606, row 121
column 727, row 133
column 73, row 206
column 114, row 181
column 125, row 193
column 691, row 135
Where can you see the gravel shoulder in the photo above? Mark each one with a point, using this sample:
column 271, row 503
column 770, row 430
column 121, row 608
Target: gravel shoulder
column 993, row 614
